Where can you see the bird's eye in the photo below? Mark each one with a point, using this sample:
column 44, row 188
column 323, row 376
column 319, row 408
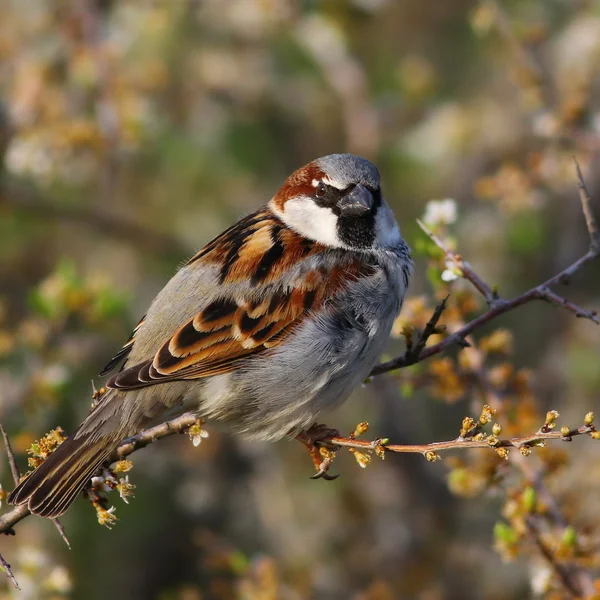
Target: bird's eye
column 321, row 190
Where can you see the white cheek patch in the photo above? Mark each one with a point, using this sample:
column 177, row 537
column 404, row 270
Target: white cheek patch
column 311, row 221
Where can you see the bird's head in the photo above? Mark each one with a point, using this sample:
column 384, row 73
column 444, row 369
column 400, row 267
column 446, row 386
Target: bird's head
column 336, row 200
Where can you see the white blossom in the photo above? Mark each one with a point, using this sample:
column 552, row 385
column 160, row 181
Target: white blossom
column 440, row 212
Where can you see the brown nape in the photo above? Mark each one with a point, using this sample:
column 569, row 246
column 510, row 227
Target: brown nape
column 299, row 183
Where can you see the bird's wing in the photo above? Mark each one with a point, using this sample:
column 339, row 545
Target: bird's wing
column 260, row 253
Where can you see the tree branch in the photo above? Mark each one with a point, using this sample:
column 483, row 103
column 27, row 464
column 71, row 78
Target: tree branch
column 497, row 305
column 523, row 443
column 417, row 352
column 127, row 447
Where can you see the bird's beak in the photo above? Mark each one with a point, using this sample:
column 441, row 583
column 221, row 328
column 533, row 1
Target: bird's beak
column 357, row 203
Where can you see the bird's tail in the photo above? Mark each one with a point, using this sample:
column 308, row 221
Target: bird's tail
column 56, row 483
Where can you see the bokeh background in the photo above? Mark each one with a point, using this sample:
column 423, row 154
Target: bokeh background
column 132, row 132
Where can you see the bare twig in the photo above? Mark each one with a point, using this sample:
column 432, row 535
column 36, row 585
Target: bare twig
column 586, row 204
column 11, row 457
column 466, row 271
column 6, row 568
column 141, row 440
column 61, row 531
column 499, row 306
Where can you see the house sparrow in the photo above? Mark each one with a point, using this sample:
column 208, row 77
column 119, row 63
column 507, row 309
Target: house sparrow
column 277, row 319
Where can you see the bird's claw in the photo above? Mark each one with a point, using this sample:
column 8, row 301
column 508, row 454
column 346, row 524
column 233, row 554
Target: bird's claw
column 314, row 439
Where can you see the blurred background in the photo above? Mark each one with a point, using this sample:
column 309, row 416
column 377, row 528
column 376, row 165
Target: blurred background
column 132, row 132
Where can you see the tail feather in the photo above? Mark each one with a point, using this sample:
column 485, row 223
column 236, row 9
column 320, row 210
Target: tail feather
column 56, row 483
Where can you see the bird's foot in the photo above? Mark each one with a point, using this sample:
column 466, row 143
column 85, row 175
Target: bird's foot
column 315, row 440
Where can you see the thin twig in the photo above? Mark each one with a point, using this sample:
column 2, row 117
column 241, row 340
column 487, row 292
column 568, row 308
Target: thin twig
column 61, row 530
column 148, row 436
column 127, row 447
column 581, row 313
column 571, row 587
column 499, row 306
column 11, row 457
column 533, row 476
column 463, row 443
column 6, row 568
column 586, row 204
column 466, row 271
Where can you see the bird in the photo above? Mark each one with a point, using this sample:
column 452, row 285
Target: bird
column 276, row 320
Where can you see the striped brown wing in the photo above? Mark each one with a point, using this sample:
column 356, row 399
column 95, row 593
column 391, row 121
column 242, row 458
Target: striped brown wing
column 228, row 330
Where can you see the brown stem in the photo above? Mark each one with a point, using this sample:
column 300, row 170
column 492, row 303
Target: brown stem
column 462, row 443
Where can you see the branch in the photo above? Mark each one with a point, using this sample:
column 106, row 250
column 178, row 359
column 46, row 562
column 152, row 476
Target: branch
column 471, row 436
column 141, row 440
column 178, row 425
column 11, row 457
column 523, row 444
column 570, row 586
column 497, row 305
column 6, row 568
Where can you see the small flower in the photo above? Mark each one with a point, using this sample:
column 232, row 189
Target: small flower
column 361, row 458
column 448, row 275
column 486, row 415
column 196, row 433
column 123, row 466
column 440, row 212
column 541, row 576
column 2, row 494
column 551, row 416
column 589, row 419
column 432, row 456
column 380, row 448
column 468, row 425
column 360, row 429
column 106, row 517
column 45, row 446
column 125, row 489
column 502, row 452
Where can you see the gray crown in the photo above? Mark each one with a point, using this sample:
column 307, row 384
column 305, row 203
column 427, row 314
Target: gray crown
column 347, row 169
